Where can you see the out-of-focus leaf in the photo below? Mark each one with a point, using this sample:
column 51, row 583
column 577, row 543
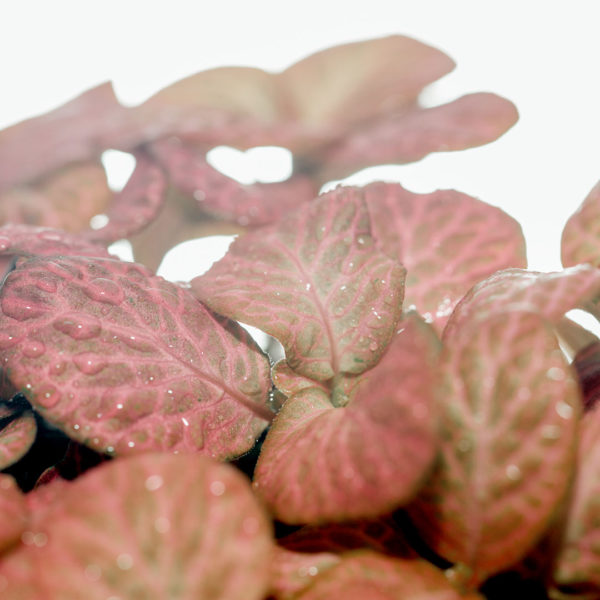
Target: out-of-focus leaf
column 66, row 199
column 548, row 294
column 366, row 574
column 399, row 138
column 447, row 241
column 320, row 463
column 510, row 411
column 136, row 205
column 153, row 526
column 41, row 241
column 16, row 436
column 224, row 198
column 316, row 283
column 581, row 235
column 587, row 364
column 13, row 514
column 124, row 361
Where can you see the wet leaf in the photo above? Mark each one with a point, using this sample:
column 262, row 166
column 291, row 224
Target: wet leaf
column 287, row 381
column 320, row 463
column 549, row 294
column 16, row 436
column 153, row 526
column 13, row 513
column 581, row 235
column 315, row 282
column 124, row 361
column 366, row 574
column 510, row 409
column 447, row 241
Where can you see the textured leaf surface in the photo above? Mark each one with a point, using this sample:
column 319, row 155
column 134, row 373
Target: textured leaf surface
column 13, row 513
column 16, row 437
column 316, row 283
column 408, row 136
column 42, row 241
column 581, row 235
column 153, row 526
column 225, row 198
column 287, row 381
column 549, row 294
column 447, row 241
column 123, row 360
column 320, row 463
column 65, row 199
column 366, row 574
column 510, row 408
column 136, row 205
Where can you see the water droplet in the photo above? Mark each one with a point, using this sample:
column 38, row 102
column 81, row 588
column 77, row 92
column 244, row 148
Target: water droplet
column 154, row 482
column 513, row 472
column 217, row 488
column 119, row 406
column 46, row 285
column 89, row 363
column 110, row 449
column 564, row 410
column 104, row 290
column 162, row 524
column 555, row 373
column 131, row 444
column 5, row 244
column 33, row 349
column 307, row 287
column 373, row 346
column 76, row 426
column 364, row 240
column 47, row 396
column 199, row 195
column 9, row 338
column 79, row 327
column 124, row 561
column 185, row 421
column 135, row 343
column 21, row 309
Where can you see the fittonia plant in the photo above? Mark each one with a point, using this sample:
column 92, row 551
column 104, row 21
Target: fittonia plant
column 432, row 429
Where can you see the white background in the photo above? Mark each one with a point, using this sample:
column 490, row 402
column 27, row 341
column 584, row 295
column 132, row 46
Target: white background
column 544, row 56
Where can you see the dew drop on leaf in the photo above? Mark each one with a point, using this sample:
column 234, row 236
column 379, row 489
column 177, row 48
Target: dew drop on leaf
column 33, row 349
column 78, row 327
column 154, row 482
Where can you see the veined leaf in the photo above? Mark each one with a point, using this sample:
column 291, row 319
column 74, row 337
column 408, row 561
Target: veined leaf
column 447, row 241
column 13, row 514
column 510, row 409
column 316, row 283
column 16, row 437
column 320, row 463
column 123, row 361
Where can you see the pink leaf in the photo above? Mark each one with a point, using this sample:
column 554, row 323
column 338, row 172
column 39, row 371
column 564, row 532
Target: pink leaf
column 510, row 408
column 153, row 526
column 225, row 198
column 581, row 235
column 13, row 513
column 366, row 574
column 315, row 282
column 16, row 437
column 446, row 240
column 548, row 294
column 41, row 241
column 408, row 136
column 136, row 205
column 320, row 463
column 123, row 360
column 287, row 381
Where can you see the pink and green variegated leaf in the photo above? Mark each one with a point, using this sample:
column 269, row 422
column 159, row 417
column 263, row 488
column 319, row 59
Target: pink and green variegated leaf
column 510, row 407
column 153, row 526
column 581, row 236
column 551, row 295
column 136, row 205
column 447, row 241
column 225, row 198
column 319, row 463
column 578, row 563
column 469, row 121
column 316, row 283
column 42, row 241
column 366, row 574
column 65, row 199
column 13, row 514
column 124, row 361
column 16, row 437
column 72, row 133
column 287, row 381
column 292, row 572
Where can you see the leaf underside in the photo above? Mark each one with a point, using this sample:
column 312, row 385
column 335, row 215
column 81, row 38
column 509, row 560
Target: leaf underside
column 16, row 437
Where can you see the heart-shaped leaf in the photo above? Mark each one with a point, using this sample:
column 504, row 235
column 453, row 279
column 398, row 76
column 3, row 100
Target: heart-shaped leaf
column 581, row 235
column 153, row 526
column 446, row 240
column 510, row 407
column 366, row 574
column 315, row 282
column 123, row 361
column 548, row 294
column 13, row 513
column 320, row 463
column 41, row 241
column 16, row 435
